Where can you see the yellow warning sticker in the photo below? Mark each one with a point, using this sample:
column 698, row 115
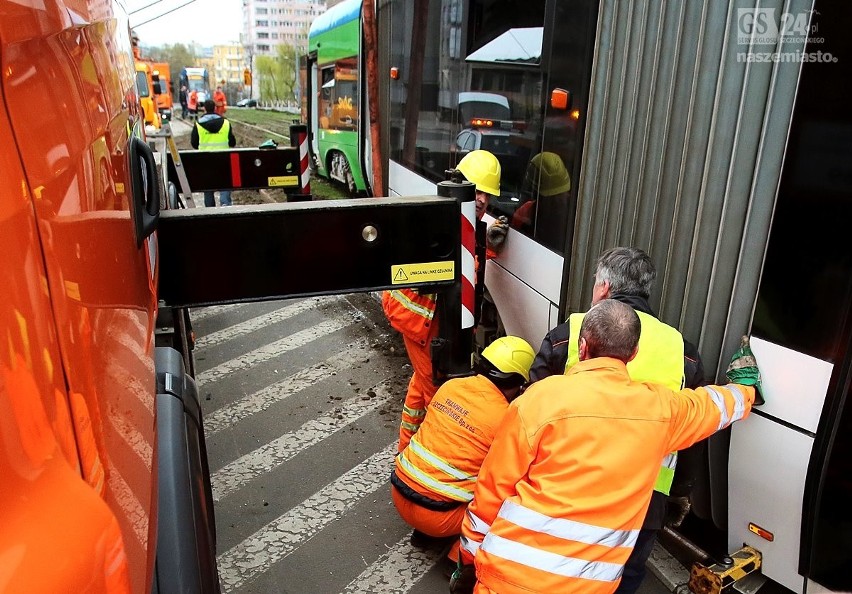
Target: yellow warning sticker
column 426, row 272
column 283, row 180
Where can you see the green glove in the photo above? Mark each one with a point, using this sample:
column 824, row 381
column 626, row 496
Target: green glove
column 743, row 370
column 463, row 579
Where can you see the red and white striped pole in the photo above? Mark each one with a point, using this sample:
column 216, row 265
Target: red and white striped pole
column 468, row 263
column 299, row 138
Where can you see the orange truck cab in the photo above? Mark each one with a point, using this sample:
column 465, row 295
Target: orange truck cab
column 104, row 482
column 162, row 87
column 145, row 88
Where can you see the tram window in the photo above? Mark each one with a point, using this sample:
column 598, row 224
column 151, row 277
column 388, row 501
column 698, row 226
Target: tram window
column 345, row 109
column 338, row 101
column 439, row 102
column 326, row 97
column 426, row 118
column 489, row 19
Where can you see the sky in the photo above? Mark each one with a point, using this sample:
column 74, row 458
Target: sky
column 207, row 22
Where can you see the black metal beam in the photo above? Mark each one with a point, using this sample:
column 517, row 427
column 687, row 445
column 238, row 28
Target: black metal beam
column 264, row 252
column 240, row 169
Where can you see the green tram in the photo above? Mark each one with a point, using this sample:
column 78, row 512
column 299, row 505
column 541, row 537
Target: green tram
column 333, row 98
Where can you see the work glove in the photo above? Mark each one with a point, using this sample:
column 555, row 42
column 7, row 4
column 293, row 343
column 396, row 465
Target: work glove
column 677, row 508
column 463, row 579
column 743, row 370
column 495, row 237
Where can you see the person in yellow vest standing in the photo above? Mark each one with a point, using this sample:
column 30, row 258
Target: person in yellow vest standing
column 627, row 275
column 213, row 132
column 435, row 474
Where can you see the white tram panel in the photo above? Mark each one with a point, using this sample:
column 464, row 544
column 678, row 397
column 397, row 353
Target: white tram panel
column 769, row 462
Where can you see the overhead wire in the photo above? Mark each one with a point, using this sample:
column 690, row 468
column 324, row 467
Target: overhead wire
column 132, row 12
column 161, row 15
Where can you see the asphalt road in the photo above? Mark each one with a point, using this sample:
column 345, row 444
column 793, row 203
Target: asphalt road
column 302, row 401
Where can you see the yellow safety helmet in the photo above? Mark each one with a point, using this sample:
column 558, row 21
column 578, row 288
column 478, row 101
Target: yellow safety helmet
column 547, row 172
column 482, row 169
column 510, row 354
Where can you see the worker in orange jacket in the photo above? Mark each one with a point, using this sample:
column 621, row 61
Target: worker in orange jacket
column 563, row 491
column 192, row 103
column 434, row 475
column 412, row 313
column 221, row 101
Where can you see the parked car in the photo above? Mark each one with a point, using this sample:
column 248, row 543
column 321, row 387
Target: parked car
column 247, row 103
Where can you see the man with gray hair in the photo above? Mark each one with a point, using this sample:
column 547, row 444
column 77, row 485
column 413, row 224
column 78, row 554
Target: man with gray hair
column 626, row 275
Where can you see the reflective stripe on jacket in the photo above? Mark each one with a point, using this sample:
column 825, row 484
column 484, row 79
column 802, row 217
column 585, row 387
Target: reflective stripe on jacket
column 213, row 141
column 444, row 456
column 409, row 312
column 659, row 360
column 567, row 481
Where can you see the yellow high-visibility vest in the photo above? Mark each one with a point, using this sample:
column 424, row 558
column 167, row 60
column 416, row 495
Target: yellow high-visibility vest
column 213, row 141
column 659, row 360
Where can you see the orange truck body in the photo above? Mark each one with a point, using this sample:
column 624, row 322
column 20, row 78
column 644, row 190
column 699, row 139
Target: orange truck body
column 78, row 307
column 162, row 73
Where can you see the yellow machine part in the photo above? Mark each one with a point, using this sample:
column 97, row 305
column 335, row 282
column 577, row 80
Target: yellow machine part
column 719, row 577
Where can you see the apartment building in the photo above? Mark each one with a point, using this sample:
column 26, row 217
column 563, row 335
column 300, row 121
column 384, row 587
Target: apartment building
column 229, row 61
column 268, row 23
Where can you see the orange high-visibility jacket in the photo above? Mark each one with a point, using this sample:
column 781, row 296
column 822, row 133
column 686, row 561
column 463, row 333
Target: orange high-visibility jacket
column 221, row 102
column 444, row 456
column 564, row 488
column 409, row 312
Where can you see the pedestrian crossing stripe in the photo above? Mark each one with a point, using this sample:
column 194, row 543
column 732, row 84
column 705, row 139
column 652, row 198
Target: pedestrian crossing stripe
column 424, row 272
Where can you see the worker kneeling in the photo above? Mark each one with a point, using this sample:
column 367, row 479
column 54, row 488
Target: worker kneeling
column 436, row 473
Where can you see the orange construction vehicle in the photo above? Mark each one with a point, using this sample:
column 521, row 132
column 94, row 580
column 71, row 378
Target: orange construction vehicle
column 145, row 85
column 162, row 79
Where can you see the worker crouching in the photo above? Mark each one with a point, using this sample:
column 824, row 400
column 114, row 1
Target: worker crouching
column 413, row 313
column 435, row 474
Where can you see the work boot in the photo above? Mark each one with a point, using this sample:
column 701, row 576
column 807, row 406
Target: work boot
column 419, row 539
